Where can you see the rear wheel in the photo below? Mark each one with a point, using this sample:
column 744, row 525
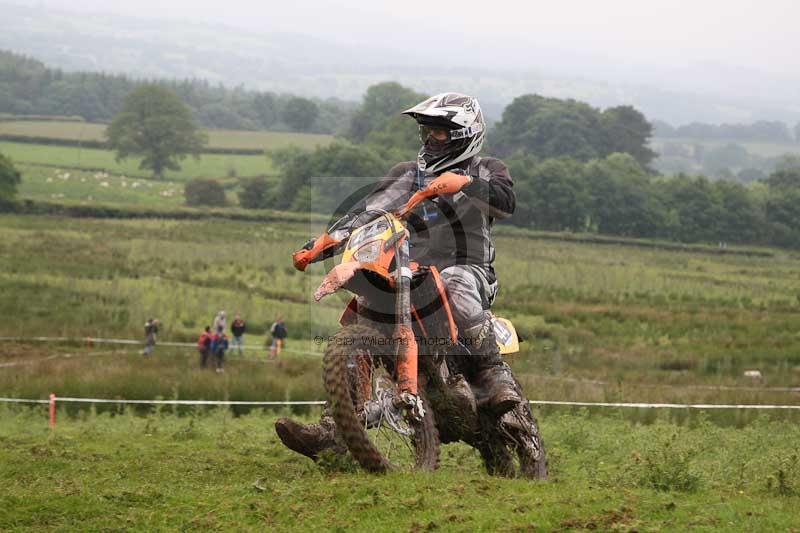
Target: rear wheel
column 360, row 385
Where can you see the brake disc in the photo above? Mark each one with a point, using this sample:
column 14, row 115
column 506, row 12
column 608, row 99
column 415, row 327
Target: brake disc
column 383, row 411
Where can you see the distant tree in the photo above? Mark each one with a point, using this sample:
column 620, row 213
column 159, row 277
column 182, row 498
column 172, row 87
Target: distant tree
column 222, row 116
column 307, row 200
column 769, row 130
column 696, row 206
column 300, row 113
column 783, row 216
column 621, row 200
column 548, row 128
column 627, row 131
column 663, row 129
column 254, row 193
column 339, row 171
column 741, row 220
column 728, row 156
column 784, row 179
column 382, row 103
column 155, row 125
column 673, row 149
column 29, row 87
column 9, row 178
column 553, row 128
column 748, row 174
column 557, row 195
column 762, row 130
column 787, row 162
column 797, row 133
column 396, row 140
column 204, row 192
column 698, row 152
column 697, row 130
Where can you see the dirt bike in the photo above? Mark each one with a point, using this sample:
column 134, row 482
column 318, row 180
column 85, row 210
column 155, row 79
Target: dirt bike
column 395, row 371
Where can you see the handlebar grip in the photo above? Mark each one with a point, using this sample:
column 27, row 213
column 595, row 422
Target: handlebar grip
column 301, row 258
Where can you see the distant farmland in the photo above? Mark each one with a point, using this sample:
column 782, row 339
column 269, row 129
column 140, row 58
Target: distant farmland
column 762, row 149
column 91, row 159
column 226, row 139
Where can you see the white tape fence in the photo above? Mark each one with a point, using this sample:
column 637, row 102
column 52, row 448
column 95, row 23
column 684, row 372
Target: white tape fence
column 699, row 406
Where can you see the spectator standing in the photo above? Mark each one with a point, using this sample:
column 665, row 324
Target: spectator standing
column 220, row 323
column 204, row 346
column 278, row 332
column 220, row 346
column 150, row 334
column 237, row 329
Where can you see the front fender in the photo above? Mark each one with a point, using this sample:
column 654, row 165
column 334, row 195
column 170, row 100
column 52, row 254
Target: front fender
column 336, row 278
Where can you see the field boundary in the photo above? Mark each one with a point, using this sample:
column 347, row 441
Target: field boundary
column 104, row 145
column 514, row 231
column 698, row 406
column 112, row 211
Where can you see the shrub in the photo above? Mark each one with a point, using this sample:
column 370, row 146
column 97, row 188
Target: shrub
column 204, row 192
column 785, row 474
column 253, row 194
column 9, row 178
column 666, row 465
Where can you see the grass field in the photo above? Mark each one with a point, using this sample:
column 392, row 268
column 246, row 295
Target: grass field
column 601, row 322
column 217, row 138
column 206, row 166
column 94, row 187
column 208, row 470
column 85, row 187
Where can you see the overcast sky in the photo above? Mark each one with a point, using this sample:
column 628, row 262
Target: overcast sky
column 670, row 33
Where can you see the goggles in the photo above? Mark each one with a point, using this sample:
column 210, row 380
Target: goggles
column 426, row 132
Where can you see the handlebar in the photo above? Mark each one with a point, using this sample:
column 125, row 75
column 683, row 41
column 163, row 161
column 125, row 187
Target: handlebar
column 447, row 183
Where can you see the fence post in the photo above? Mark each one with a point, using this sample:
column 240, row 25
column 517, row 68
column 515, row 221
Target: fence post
column 52, row 411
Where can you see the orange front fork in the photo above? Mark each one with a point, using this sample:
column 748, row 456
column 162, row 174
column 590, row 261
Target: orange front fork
column 404, row 334
column 406, row 359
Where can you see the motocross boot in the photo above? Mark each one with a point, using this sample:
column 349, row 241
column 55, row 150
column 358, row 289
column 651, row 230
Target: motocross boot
column 493, row 382
column 310, row 439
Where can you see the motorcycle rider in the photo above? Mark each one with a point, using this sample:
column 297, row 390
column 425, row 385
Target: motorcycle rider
column 450, row 231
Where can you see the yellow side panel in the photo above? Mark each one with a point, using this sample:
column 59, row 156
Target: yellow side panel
column 506, row 335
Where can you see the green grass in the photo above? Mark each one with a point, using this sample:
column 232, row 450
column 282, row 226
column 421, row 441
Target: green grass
column 206, row 166
column 208, row 470
column 217, row 138
column 114, row 371
column 93, row 187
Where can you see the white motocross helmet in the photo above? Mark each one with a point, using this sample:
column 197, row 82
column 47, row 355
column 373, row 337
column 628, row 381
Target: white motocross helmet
column 456, row 113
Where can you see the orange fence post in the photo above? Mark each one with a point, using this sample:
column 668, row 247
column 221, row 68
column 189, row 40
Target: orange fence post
column 52, row 411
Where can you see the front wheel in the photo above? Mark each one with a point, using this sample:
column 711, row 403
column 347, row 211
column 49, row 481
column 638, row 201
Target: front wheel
column 359, row 379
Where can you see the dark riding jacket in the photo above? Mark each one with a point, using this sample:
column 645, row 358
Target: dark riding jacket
column 451, row 229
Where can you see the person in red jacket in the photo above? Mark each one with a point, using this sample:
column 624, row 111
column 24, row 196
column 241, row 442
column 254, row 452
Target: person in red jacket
column 204, row 346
